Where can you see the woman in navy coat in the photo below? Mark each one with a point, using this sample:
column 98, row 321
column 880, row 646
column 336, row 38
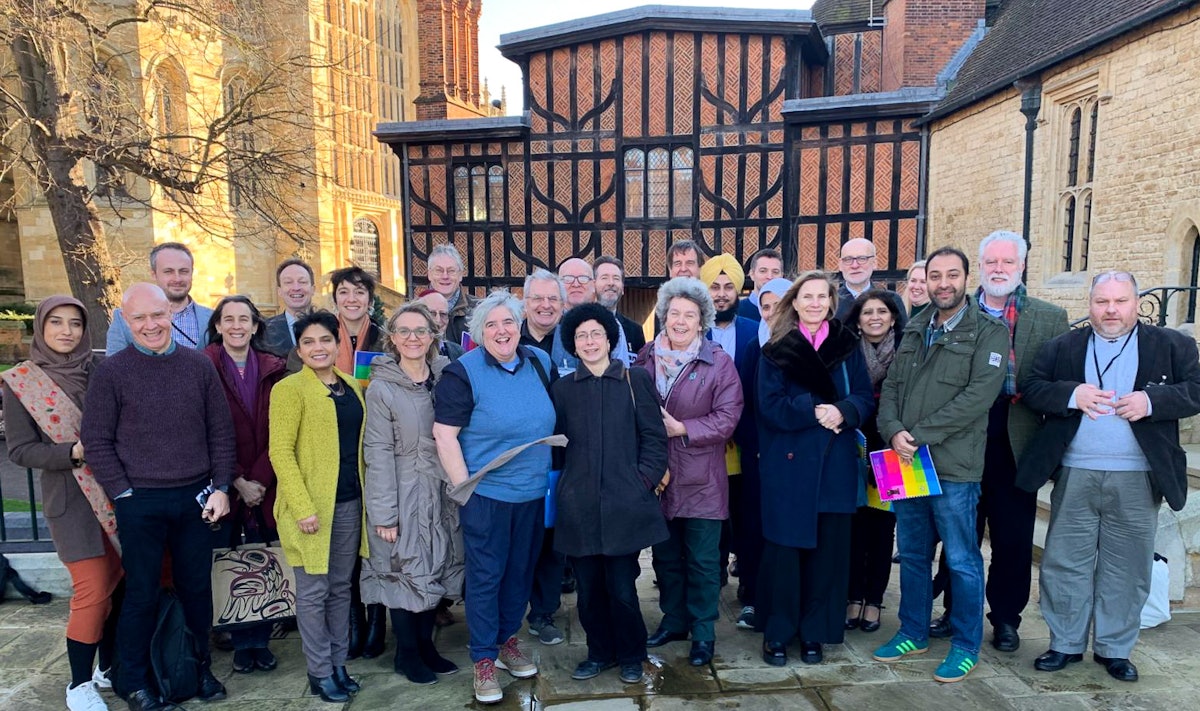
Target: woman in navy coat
column 813, row 391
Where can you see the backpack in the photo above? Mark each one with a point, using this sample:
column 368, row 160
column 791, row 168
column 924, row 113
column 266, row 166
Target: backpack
column 174, row 663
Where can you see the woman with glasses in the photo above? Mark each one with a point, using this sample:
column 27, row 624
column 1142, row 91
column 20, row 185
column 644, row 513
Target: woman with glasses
column 412, row 526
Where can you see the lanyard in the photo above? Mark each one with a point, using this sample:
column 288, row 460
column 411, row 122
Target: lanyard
column 1096, row 359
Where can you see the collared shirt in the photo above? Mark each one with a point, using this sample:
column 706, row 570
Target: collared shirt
column 291, row 323
column 189, row 330
column 725, row 337
column 934, row 332
column 147, row 351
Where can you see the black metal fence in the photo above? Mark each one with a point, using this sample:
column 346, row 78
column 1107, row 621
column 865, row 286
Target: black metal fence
column 1157, row 303
column 22, row 525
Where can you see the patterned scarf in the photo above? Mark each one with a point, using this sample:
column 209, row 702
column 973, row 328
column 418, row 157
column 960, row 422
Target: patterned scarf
column 1013, row 306
column 879, row 357
column 670, row 363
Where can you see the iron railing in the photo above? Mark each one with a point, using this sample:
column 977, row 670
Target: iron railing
column 1155, row 305
column 23, row 531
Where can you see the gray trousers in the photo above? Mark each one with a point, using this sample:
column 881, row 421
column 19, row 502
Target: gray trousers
column 323, row 601
column 1097, row 561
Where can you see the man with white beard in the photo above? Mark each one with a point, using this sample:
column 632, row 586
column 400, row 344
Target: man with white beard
column 610, row 287
column 1007, row 511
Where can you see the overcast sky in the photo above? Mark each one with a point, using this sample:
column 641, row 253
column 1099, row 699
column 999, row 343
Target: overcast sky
column 503, row 16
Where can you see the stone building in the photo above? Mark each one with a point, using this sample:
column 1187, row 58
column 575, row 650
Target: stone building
column 372, row 62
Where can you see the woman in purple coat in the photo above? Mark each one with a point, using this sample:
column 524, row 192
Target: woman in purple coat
column 701, row 396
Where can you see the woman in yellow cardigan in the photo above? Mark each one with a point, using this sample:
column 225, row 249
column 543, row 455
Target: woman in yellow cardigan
column 319, row 502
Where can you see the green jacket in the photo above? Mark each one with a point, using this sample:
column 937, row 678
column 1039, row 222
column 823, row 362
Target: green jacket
column 942, row 394
column 1038, row 323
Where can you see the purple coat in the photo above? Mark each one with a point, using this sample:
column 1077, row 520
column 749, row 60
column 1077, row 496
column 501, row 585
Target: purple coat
column 707, row 399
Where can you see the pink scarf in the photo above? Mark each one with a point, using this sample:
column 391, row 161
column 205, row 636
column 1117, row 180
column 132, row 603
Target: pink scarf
column 816, row 339
column 670, row 363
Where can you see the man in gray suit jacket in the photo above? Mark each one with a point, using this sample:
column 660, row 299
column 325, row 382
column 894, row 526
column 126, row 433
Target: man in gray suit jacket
column 294, row 283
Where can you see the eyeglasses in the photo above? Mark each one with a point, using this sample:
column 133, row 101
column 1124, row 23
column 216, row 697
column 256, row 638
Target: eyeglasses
column 858, row 260
column 440, row 315
column 420, row 332
column 444, row 271
column 590, row 335
column 577, row 280
column 543, row 299
column 1113, row 275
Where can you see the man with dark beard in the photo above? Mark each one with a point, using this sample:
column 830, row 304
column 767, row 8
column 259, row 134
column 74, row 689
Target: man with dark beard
column 738, row 336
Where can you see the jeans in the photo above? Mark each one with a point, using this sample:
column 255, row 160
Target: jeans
column 919, row 522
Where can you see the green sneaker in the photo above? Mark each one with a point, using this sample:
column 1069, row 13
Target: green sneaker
column 955, row 666
column 899, row 647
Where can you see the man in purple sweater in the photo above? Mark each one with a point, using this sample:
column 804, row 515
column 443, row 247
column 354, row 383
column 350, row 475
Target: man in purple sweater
column 159, row 438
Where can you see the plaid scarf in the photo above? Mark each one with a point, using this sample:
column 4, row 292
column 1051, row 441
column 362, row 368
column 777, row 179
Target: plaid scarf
column 1013, row 305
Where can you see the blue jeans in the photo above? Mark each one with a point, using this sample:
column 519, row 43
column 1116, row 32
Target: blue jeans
column 918, row 524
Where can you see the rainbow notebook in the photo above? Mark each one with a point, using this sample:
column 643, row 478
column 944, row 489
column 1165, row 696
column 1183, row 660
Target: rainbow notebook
column 362, row 365
column 898, row 480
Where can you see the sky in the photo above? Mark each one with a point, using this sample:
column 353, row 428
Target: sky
column 503, row 16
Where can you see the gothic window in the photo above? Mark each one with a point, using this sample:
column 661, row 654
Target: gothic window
column 240, row 141
column 364, row 245
column 108, row 94
column 479, row 193
column 658, row 183
column 1080, row 122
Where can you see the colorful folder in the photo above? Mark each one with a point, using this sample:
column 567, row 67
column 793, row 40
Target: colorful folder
column 898, row 479
column 362, row 365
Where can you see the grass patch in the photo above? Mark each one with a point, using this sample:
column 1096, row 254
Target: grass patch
column 18, row 506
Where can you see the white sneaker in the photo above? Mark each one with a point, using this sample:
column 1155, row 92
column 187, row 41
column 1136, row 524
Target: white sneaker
column 85, row 698
column 101, row 678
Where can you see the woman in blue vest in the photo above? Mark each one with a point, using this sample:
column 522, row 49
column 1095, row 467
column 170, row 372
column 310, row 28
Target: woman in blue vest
column 492, row 399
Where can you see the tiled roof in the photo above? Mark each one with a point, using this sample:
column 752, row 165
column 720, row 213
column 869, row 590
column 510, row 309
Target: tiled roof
column 835, row 13
column 1031, row 35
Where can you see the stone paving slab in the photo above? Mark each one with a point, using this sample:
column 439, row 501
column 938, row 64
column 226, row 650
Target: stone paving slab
column 33, row 672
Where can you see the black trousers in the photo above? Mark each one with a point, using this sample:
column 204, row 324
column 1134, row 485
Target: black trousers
column 546, row 596
column 872, row 535
column 150, row 522
column 802, row 591
column 1008, row 513
column 746, row 517
column 609, row 609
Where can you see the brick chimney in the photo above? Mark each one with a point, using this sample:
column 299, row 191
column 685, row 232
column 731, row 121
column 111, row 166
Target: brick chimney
column 449, row 59
column 921, row 36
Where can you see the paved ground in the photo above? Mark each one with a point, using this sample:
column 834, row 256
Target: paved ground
column 33, row 673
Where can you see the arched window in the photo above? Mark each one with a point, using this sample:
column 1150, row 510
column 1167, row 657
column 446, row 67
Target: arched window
column 364, row 245
column 239, row 144
column 1194, row 277
column 658, row 183
column 1080, row 127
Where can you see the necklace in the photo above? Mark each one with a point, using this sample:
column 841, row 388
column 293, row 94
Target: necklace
column 336, row 388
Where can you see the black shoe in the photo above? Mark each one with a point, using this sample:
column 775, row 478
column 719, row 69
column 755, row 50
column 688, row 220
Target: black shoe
column 869, row 626
column 143, row 700
column 222, row 641
column 328, row 689
column 568, row 584
column 210, row 688
column 775, row 653
column 264, row 659
column 662, row 636
column 348, row 683
column 589, row 669
column 853, row 622
column 1119, row 669
column 1053, row 661
column 376, row 631
column 632, row 673
column 701, row 654
column 940, row 628
column 1005, row 637
column 811, row 653
column 243, row 661
column 358, row 631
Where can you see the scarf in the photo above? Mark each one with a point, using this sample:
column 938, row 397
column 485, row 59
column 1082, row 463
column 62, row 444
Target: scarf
column 345, row 353
column 70, row 371
column 670, row 363
column 779, row 287
column 245, row 384
column 1013, row 305
column 879, row 357
column 816, row 339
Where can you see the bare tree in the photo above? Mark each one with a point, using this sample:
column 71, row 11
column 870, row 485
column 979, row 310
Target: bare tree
column 91, row 133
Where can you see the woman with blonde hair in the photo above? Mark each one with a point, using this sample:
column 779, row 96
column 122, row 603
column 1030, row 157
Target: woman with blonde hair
column 412, row 525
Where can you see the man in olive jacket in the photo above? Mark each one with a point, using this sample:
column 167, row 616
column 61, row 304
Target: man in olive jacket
column 946, row 375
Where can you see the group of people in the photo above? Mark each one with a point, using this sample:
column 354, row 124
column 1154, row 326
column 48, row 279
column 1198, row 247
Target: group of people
column 503, row 444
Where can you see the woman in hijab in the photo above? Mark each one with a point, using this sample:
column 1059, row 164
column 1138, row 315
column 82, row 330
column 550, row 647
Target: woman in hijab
column 43, row 397
column 768, row 298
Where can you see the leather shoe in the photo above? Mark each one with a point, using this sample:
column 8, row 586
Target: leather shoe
column 348, row 683
column 940, row 628
column 1005, row 637
column 701, row 654
column 775, row 653
column 810, row 653
column 143, row 700
column 328, row 689
column 662, row 636
column 589, row 669
column 1119, row 669
column 210, row 688
column 869, row 626
column 264, row 659
column 1053, row 661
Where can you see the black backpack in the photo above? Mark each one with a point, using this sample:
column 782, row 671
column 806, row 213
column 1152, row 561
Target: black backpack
column 174, row 663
